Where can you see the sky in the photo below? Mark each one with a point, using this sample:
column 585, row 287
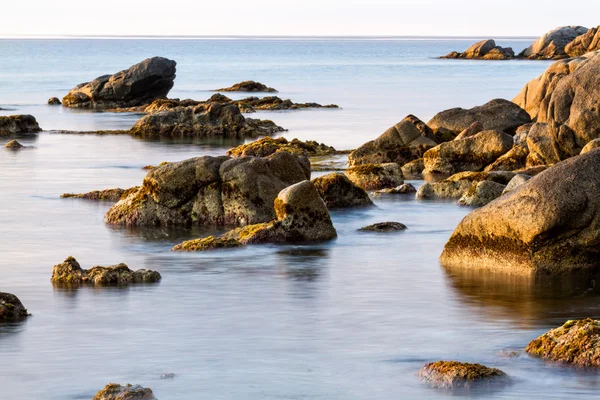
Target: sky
column 292, row 18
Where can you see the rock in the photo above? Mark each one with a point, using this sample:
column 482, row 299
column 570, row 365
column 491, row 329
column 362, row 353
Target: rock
column 54, row 101
column 484, row 50
column 522, row 133
column 208, row 243
column 337, row 191
column 114, row 391
column 376, row 176
column 455, row 375
column 516, row 158
column 413, row 169
column 266, row 146
column 549, row 226
column 454, row 187
column 210, row 190
column 205, row 120
column 247, row 86
column 70, row 272
column 14, row 145
column 406, row 188
column 384, row 227
column 583, row 44
column 18, row 125
column 531, row 171
column 11, row 308
column 404, row 142
column 481, row 194
column 551, row 46
column 472, row 130
column 594, row 144
column 498, row 114
column 142, row 83
column 168, row 375
column 543, row 146
column 516, row 182
column 470, row 154
column 107, row 194
column 576, row 343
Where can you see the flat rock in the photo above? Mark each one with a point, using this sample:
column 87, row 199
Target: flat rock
column 105, row 195
column 384, row 227
column 247, row 86
column 208, row 243
column 457, row 375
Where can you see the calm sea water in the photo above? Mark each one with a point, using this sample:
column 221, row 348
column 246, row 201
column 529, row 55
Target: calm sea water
column 351, row 319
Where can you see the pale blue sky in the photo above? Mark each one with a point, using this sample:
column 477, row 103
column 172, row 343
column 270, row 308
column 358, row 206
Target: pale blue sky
column 305, row 18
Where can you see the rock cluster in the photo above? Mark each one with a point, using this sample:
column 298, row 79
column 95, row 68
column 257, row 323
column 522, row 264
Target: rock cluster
column 18, row 125
column 484, row 50
column 583, row 44
column 70, row 272
column 551, row 45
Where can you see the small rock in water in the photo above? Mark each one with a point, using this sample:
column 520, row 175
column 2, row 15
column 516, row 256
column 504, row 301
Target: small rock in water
column 14, row 145
column 459, row 375
column 384, row 227
column 114, row 391
column 70, row 272
column 247, row 86
column 54, row 101
column 406, row 188
column 11, row 308
column 168, row 375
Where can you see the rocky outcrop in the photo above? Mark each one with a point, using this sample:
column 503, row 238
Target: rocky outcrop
column 14, row 145
column 337, row 191
column 514, row 159
column 18, row 125
column 142, row 83
column 576, row 343
column 583, row 44
column 247, row 86
column 70, row 272
column 106, row 195
column 457, row 375
column 114, row 391
column 208, row 243
column 54, row 101
column 481, row 194
column 471, row 154
column 484, row 50
column 266, row 146
column 211, row 190
column 551, row 46
column 11, row 308
column 454, row 187
column 548, row 225
column 406, row 141
column 376, row 176
column 384, row 227
column 498, row 114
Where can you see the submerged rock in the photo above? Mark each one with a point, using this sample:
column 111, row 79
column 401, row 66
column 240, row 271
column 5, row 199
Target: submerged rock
column 70, row 272
column 247, row 86
column 107, row 194
column 14, row 145
column 482, row 193
column 551, row 45
column 142, row 83
column 208, row 243
column 376, row 176
column 384, row 227
column 266, row 146
column 576, row 343
column 456, row 375
column 11, row 308
column 337, row 191
column 484, row 50
column 114, row 391
column 54, row 101
column 583, row 44
column 18, row 125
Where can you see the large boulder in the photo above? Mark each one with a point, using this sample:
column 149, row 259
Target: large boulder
column 406, row 141
column 69, row 272
column 337, row 191
column 484, row 50
column 11, row 308
column 204, row 120
column 114, row 391
column 549, row 225
column 583, row 44
column 376, row 176
column 138, row 85
column 471, row 154
column 551, row 45
column 210, row 190
column 18, row 125
column 498, row 114
column 460, row 375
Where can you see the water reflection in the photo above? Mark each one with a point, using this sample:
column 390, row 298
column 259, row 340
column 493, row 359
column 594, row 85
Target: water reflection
column 302, row 263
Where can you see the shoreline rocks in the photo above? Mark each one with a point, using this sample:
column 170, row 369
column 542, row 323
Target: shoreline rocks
column 484, row 50
column 114, row 391
column 69, row 272
column 460, row 375
column 583, row 44
column 18, row 125
column 247, row 86
column 11, row 308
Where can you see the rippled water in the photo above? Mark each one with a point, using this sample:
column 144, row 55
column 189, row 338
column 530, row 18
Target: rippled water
column 351, row 319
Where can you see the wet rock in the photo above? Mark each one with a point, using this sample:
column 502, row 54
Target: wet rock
column 114, row 391
column 413, row 169
column 576, row 343
column 470, row 154
column 484, row 50
column 18, row 125
column 54, row 101
column 139, row 85
column 583, row 44
column 14, row 145
column 456, row 375
column 516, row 182
column 406, row 188
column 70, row 272
column 384, row 227
column 107, row 194
column 498, row 114
column 594, row 144
column 208, row 243
column 551, row 45
column 247, row 86
column 515, row 158
column 337, row 191
column 472, row 130
column 266, row 146
column 549, row 226
column 481, row 194
column 11, row 308
column 454, row 187
column 404, row 142
column 376, row 176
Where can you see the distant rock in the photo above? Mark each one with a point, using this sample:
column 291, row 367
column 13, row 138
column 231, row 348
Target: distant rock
column 11, row 308
column 54, row 101
column 141, row 84
column 459, row 375
column 114, row 391
column 18, row 125
column 481, row 194
column 384, row 227
column 551, row 45
column 484, row 50
column 208, row 243
column 376, row 176
column 70, row 272
column 247, row 86
column 107, row 194
column 337, row 191
column 14, row 145
column 583, row 44
column 266, row 146
column 406, row 188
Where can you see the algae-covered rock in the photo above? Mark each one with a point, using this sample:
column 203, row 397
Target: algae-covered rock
column 576, row 343
column 114, row 391
column 376, row 176
column 384, row 227
column 456, row 375
column 18, row 125
column 337, row 191
column 482, row 193
column 14, row 145
column 11, row 308
column 107, row 194
column 266, row 146
column 70, row 272
column 208, row 243
column 247, row 86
